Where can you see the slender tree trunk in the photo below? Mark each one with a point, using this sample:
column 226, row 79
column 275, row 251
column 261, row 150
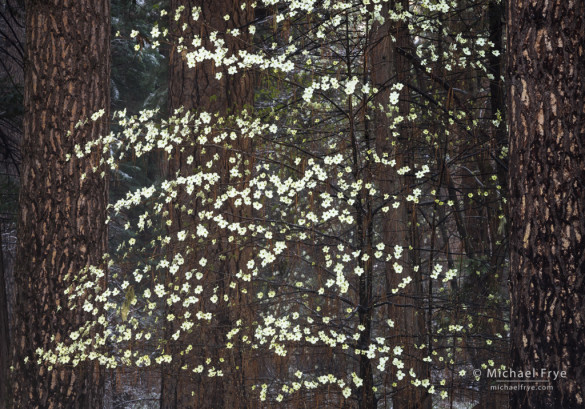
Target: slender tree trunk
column 4, row 334
column 61, row 225
column 546, row 99
column 11, row 69
column 198, row 89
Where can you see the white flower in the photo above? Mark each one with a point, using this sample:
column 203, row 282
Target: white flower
column 98, row 114
column 397, row 268
column 202, row 231
column 398, row 363
column 350, row 86
column 154, row 32
column 394, row 98
column 308, row 94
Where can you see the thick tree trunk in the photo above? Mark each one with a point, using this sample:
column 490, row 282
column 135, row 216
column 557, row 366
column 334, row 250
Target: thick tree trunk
column 400, row 224
column 61, row 226
column 546, row 46
column 198, row 89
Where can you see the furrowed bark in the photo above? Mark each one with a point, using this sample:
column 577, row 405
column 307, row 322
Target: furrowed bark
column 61, row 224
column 197, row 89
column 546, row 96
column 389, row 65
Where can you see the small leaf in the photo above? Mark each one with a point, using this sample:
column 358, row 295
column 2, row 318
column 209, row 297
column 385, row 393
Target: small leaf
column 130, row 297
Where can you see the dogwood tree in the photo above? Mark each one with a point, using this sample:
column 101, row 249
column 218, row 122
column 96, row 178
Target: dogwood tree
column 332, row 206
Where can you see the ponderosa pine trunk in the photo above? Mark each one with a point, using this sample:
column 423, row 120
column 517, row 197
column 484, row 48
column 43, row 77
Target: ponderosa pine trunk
column 61, row 223
column 546, row 100
column 197, row 89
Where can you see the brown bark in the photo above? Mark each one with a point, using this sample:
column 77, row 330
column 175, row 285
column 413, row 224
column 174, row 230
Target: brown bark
column 388, row 61
column 546, row 79
column 197, row 89
column 61, row 225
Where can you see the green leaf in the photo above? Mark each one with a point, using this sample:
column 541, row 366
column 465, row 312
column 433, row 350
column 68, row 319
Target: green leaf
column 129, row 298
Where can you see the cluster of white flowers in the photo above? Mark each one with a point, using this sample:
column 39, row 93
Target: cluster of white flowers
column 293, row 203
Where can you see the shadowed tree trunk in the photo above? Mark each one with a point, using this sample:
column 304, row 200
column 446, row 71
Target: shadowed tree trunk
column 61, row 225
column 4, row 335
column 198, row 89
column 388, row 67
column 11, row 80
column 546, row 99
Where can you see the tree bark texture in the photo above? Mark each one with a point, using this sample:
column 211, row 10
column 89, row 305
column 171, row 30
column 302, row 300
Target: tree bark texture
column 390, row 66
column 61, row 225
column 546, row 79
column 197, row 89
